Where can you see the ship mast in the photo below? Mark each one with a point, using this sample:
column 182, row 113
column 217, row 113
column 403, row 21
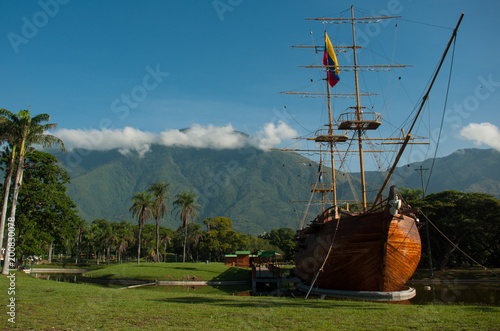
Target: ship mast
column 330, row 132
column 358, row 116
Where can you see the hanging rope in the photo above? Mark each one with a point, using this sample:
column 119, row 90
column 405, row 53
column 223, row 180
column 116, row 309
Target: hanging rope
column 456, row 246
column 444, row 112
column 326, row 258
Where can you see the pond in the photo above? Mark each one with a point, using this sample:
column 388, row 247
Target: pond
column 456, row 292
column 453, row 292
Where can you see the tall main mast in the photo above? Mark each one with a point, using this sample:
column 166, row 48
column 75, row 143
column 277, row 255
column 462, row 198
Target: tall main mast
column 358, row 116
column 330, row 132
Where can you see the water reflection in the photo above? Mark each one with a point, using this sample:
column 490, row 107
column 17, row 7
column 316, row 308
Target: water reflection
column 457, row 293
column 452, row 293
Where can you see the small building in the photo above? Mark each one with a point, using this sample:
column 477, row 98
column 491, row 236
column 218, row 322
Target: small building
column 230, row 259
column 245, row 259
column 242, row 259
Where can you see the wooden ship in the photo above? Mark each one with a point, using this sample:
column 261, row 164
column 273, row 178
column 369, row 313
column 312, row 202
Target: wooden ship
column 377, row 247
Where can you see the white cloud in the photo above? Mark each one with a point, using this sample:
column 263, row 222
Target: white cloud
column 272, row 135
column 224, row 137
column 128, row 140
column 125, row 140
column 483, row 133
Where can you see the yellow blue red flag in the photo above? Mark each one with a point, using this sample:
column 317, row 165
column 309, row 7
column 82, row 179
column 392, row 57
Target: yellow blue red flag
column 330, row 60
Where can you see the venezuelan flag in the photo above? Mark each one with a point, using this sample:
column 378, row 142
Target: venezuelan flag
column 330, row 60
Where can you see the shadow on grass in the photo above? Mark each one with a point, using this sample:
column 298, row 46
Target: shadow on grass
column 262, row 302
column 234, row 273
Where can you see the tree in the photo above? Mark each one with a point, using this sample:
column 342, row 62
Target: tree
column 283, row 239
column 81, row 228
column 104, row 236
column 142, row 210
column 208, row 223
column 45, row 214
column 186, row 204
column 166, row 238
column 124, row 237
column 21, row 131
column 221, row 223
column 470, row 221
column 409, row 194
column 159, row 190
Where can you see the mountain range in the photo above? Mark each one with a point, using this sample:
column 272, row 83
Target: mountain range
column 250, row 186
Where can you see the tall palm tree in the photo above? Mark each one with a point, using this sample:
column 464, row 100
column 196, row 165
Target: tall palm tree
column 81, row 227
column 186, row 203
column 142, row 209
column 208, row 221
column 124, row 237
column 159, row 190
column 21, row 131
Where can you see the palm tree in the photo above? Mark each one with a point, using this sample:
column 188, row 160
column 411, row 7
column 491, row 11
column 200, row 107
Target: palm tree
column 124, row 237
column 208, row 221
column 186, row 203
column 81, row 227
column 142, row 209
column 159, row 190
column 21, row 131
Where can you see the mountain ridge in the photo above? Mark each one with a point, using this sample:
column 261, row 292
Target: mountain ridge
column 248, row 185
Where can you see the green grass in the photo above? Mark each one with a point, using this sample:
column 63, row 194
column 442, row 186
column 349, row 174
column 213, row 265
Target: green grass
column 45, row 305
column 171, row 271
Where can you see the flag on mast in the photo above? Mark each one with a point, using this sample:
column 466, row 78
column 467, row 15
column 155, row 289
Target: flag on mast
column 330, row 60
column 320, row 171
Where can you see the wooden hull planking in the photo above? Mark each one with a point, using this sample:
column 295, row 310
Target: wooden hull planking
column 370, row 252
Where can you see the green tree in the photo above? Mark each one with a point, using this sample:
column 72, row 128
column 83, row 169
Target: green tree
column 159, row 190
column 104, row 236
column 283, row 239
column 409, row 194
column 166, row 238
column 21, row 131
column 187, row 207
column 221, row 223
column 124, row 237
column 470, row 221
column 208, row 223
column 81, row 228
column 46, row 215
column 142, row 210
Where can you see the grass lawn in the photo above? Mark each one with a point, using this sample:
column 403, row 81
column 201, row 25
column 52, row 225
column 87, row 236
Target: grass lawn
column 43, row 305
column 171, row 271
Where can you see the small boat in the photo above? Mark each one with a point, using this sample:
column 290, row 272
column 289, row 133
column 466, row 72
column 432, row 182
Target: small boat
column 376, row 245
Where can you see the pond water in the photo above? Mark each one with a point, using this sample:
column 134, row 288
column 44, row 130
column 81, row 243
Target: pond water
column 457, row 293
column 454, row 292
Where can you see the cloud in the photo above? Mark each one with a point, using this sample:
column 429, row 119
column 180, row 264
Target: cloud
column 128, row 140
column 125, row 140
column 224, row 137
column 272, row 135
column 483, row 133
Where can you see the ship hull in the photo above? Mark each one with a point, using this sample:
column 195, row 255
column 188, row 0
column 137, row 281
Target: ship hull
column 370, row 252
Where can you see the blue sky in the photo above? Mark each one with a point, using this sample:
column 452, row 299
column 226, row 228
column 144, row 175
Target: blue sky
column 155, row 67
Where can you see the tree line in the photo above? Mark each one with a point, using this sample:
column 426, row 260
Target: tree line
column 463, row 228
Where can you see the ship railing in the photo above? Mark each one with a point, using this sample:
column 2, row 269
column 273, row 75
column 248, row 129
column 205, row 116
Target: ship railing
column 359, row 120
